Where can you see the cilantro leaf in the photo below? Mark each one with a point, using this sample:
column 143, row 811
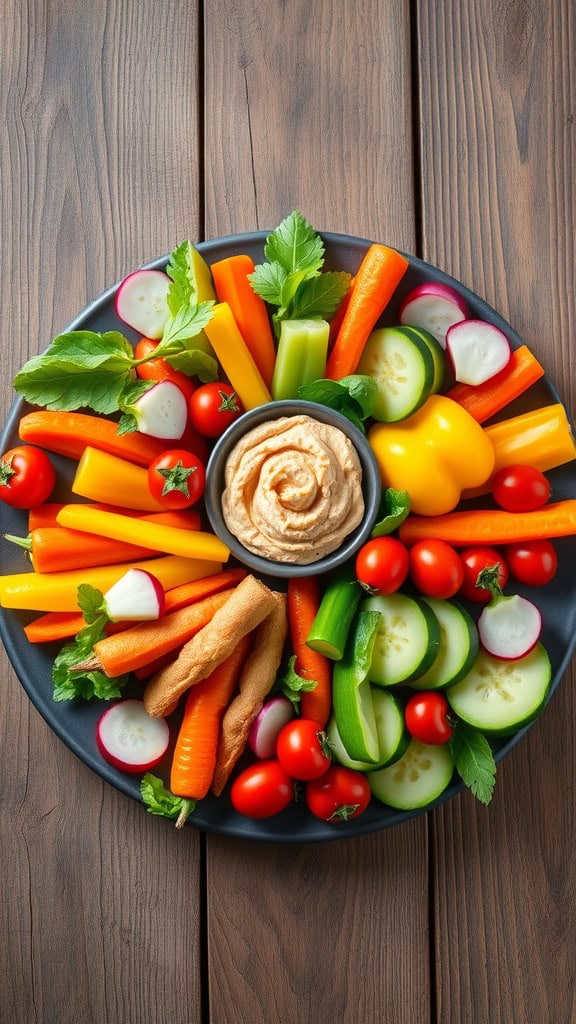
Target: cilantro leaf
column 267, row 280
column 70, row 684
column 394, row 507
column 295, row 245
column 159, row 800
column 474, row 761
column 353, row 396
column 90, row 602
column 180, row 269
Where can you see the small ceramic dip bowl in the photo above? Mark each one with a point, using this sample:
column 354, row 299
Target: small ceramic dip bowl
column 289, row 564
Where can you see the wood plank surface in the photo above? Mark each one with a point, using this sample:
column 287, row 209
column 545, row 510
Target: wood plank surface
column 497, row 101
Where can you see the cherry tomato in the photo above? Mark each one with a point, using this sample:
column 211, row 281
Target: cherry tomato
column 520, row 488
column 338, row 795
column 176, row 479
column 262, row 789
column 436, row 568
column 382, row 565
column 160, row 369
column 474, row 559
column 302, row 749
column 426, row 717
column 213, row 407
column 27, row 477
column 532, row 561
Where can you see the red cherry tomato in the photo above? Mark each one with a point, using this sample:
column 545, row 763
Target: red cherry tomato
column 160, row 369
column 520, row 488
column 436, row 568
column 213, row 407
column 261, row 790
column 338, row 795
column 176, row 479
column 302, row 749
column 382, row 565
column 27, row 477
column 474, row 559
column 426, row 717
column 533, row 562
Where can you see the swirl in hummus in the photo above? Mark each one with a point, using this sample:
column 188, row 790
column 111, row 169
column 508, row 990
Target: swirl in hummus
column 293, row 489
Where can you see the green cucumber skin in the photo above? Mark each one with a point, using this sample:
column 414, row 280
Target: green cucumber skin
column 437, row 353
column 331, row 627
column 425, row 682
column 351, row 694
column 430, row 624
column 415, row 398
column 415, row 794
column 339, row 751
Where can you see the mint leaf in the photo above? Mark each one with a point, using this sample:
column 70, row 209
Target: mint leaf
column 182, row 290
column 474, row 761
column 159, row 800
column 394, row 507
column 353, row 396
column 320, row 296
column 295, row 245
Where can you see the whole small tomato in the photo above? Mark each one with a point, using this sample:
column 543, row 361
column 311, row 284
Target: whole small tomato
column 302, row 749
column 436, row 568
column 27, row 477
column 520, row 488
column 338, row 795
column 262, row 790
column 533, row 562
column 213, row 407
column 474, row 559
column 160, row 369
column 176, row 479
column 427, row 718
column 382, row 565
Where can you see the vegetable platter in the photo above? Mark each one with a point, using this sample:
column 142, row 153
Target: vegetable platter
column 79, row 723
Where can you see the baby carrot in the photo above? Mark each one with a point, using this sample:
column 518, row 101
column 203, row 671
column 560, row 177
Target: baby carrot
column 492, row 526
column 248, row 309
column 69, row 433
column 376, row 280
column 194, row 756
column 303, row 603
column 484, row 400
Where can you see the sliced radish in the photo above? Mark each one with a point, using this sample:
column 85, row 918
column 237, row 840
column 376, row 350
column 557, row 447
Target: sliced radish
column 509, row 627
column 162, row 411
column 130, row 739
column 434, row 307
column 477, row 351
column 267, row 724
column 136, row 596
column 141, row 302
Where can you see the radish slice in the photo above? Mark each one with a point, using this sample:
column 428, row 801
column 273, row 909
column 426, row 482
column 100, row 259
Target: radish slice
column 267, row 724
column 477, row 350
column 162, row 411
column 141, row 302
column 136, row 596
column 435, row 307
column 130, row 739
column 509, row 627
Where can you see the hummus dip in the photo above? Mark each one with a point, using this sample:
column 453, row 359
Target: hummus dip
column 293, row 489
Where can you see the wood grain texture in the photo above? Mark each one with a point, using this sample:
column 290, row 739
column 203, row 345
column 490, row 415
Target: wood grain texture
column 497, row 100
column 99, row 159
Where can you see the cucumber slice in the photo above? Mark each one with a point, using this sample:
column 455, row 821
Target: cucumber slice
column 500, row 696
column 403, row 368
column 438, row 355
column 407, row 640
column 393, row 737
column 351, row 693
column 416, row 780
column 458, row 645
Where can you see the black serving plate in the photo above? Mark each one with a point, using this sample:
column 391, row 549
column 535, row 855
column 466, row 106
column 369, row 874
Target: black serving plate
column 75, row 722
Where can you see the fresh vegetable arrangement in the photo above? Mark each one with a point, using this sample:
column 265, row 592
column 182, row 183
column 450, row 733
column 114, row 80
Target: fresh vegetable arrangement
column 375, row 686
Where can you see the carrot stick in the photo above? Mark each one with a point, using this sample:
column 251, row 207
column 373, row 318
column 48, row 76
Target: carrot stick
column 69, row 433
column 492, row 526
column 336, row 321
column 54, row 626
column 375, row 282
column 45, row 515
column 194, row 756
column 483, row 401
column 187, row 593
column 303, row 603
column 57, row 549
column 230, row 278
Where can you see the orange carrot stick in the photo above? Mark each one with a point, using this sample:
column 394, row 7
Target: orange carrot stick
column 375, row 282
column 492, row 526
column 187, row 593
column 54, row 626
column 57, row 549
column 46, row 515
column 336, row 321
column 69, row 433
column 231, row 282
column 303, row 603
column 194, row 756
column 484, row 400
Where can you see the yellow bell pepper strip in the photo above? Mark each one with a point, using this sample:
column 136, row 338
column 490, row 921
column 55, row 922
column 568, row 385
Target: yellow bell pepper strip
column 434, row 455
column 58, row 591
column 235, row 358
column 170, row 539
column 110, row 480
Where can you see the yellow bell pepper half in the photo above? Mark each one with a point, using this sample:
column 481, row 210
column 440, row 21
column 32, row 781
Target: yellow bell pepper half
column 434, row 454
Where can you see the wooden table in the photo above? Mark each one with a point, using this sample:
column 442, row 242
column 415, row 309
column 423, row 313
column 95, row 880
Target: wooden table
column 447, row 130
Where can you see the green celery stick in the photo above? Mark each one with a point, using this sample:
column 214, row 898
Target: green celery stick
column 301, row 356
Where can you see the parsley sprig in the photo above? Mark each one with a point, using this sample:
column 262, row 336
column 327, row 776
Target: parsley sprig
column 70, row 684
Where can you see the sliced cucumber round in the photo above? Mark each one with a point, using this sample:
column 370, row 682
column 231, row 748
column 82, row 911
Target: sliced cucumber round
column 407, row 640
column 498, row 696
column 436, row 351
column 458, row 645
column 393, row 737
column 416, row 780
column 403, row 368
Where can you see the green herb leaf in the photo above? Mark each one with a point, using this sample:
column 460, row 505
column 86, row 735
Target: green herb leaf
column 90, row 602
column 195, row 363
column 159, row 800
column 292, row 685
column 474, row 761
column 394, row 508
column 182, row 290
column 185, row 324
column 319, row 296
column 295, row 245
column 267, row 280
column 69, row 684
column 353, row 396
